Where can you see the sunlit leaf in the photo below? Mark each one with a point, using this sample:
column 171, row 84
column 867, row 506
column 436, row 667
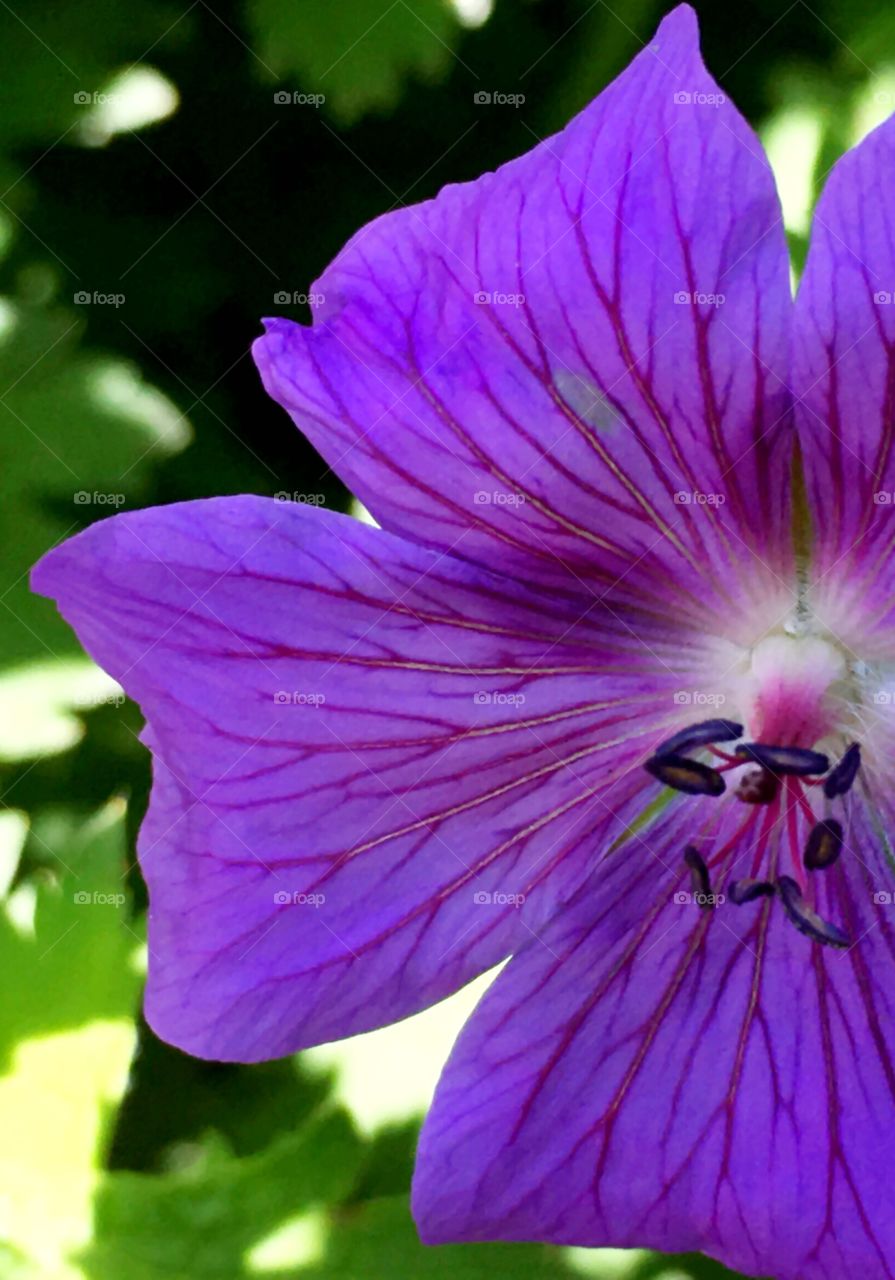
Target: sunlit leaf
column 79, row 432
column 358, row 54
column 66, row 1038
column 202, row 1223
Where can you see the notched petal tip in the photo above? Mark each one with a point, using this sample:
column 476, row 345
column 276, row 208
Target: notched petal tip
column 681, row 23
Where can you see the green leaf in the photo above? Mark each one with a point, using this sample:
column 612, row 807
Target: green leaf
column 79, row 432
column 66, row 1034
column 77, row 962
column 380, row 1239
column 358, row 54
column 54, row 58
column 202, row 1223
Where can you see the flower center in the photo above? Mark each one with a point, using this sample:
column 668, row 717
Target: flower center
column 792, row 691
column 797, row 683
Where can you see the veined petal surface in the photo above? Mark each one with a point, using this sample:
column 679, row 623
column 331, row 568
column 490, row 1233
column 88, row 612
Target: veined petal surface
column 573, row 370
column 376, row 769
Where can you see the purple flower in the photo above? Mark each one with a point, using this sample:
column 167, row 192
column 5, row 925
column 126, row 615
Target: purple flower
column 610, row 692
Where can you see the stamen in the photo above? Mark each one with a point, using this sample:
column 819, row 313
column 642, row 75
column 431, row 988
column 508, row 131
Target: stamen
column 805, row 919
column 700, row 735
column 699, row 876
column 824, row 845
column 784, row 760
column 689, row 776
column 843, row 775
column 758, row 787
column 740, row 891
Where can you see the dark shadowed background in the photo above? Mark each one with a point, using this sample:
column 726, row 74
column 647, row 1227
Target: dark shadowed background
column 157, row 197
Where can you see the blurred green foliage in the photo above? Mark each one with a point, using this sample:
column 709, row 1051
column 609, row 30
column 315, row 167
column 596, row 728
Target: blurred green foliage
column 167, row 170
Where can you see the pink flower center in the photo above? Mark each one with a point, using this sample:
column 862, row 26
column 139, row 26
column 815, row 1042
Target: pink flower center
column 792, row 699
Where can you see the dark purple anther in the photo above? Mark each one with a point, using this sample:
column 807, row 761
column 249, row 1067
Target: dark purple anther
column 700, row 735
column 740, row 891
column 841, row 778
column 699, row 876
column 689, row 776
column 805, row 918
column 824, row 845
column 783, row 760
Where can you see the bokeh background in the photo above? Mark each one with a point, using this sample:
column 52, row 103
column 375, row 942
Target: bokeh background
column 158, row 196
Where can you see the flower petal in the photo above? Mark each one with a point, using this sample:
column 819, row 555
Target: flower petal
column 570, row 369
column 648, row 1073
column 355, row 739
column 845, row 381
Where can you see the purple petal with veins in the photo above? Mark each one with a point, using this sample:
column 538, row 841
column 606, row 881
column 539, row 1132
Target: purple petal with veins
column 502, row 725
column 572, row 367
